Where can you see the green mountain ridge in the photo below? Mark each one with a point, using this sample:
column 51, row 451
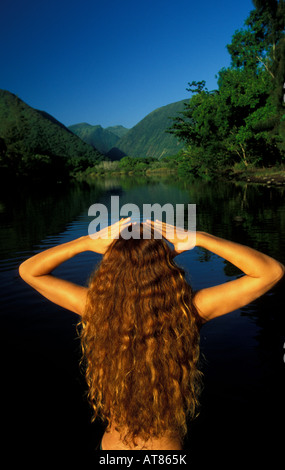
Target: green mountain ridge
column 119, row 131
column 34, row 144
column 28, row 134
column 101, row 139
column 148, row 138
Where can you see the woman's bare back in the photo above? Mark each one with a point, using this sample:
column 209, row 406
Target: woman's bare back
column 112, row 441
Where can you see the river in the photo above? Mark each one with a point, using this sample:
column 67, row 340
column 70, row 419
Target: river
column 242, row 406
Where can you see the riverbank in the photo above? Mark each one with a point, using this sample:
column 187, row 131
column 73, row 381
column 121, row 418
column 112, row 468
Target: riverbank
column 274, row 176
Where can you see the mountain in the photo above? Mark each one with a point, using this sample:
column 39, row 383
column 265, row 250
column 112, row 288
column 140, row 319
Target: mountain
column 35, row 145
column 27, row 134
column 119, row 131
column 102, row 139
column 148, row 138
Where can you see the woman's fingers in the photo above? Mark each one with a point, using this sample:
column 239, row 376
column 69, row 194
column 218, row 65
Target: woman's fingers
column 175, row 235
column 167, row 230
column 156, row 226
column 118, row 226
column 112, row 231
column 122, row 221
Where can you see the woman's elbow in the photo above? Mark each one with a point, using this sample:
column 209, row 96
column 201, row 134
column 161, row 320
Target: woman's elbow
column 21, row 269
column 23, row 272
column 278, row 271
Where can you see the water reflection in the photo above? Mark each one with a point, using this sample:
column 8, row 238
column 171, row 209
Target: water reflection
column 254, row 214
column 244, row 351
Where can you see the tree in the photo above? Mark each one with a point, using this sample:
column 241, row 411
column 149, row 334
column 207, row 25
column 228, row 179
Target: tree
column 260, row 47
column 244, row 119
column 201, row 126
column 127, row 163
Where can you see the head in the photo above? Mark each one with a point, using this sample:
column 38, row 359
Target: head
column 140, row 338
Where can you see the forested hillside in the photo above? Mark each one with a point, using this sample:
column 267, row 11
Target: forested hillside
column 119, row 131
column 35, row 144
column 149, row 138
column 102, row 139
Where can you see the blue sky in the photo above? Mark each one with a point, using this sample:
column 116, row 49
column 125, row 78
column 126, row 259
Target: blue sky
column 112, row 62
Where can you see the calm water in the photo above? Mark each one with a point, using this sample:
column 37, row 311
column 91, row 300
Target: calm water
column 43, row 390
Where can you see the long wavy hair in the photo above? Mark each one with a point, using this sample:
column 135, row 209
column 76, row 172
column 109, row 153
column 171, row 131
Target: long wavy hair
column 140, row 341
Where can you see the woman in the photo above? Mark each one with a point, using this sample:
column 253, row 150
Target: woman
column 140, row 325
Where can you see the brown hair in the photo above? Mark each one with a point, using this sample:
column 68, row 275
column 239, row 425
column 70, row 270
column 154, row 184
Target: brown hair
column 140, row 341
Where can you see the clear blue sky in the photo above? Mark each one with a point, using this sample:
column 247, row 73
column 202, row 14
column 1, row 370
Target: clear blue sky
column 112, row 62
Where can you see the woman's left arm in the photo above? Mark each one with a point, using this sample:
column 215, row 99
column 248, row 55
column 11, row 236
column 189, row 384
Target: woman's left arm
column 36, row 271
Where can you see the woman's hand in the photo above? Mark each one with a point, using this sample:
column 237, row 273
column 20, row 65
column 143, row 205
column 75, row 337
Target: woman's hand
column 181, row 239
column 100, row 241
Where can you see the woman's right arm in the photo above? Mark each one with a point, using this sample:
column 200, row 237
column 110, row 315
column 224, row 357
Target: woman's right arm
column 261, row 273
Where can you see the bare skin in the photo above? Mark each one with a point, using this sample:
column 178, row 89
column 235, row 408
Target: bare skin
column 112, row 441
column 261, row 273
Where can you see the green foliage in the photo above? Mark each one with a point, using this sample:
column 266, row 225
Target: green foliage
column 35, row 145
column 127, row 163
column 242, row 120
column 130, row 164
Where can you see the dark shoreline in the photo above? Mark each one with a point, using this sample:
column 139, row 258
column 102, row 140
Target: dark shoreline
column 265, row 176
column 274, row 176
